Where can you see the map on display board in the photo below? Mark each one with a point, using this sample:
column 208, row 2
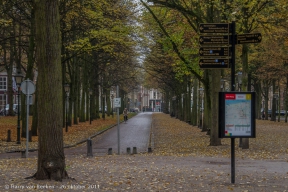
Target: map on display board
column 237, row 115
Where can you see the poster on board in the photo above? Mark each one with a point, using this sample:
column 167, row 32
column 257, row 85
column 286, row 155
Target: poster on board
column 236, row 114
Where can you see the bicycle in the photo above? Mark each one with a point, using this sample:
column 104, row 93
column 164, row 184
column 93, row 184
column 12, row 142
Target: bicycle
column 125, row 118
column 3, row 112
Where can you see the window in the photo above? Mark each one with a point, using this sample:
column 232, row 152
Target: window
column 3, row 83
column 2, row 101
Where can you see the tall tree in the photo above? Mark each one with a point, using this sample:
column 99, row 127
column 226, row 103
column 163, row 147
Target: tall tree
column 51, row 158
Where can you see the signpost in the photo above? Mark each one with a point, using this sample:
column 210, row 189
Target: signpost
column 218, row 43
column 117, row 104
column 28, row 88
column 214, row 51
column 215, row 47
column 215, row 40
column 214, row 63
column 215, row 28
column 217, row 50
column 249, row 38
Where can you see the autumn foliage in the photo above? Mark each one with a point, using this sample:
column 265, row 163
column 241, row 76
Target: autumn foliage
column 75, row 134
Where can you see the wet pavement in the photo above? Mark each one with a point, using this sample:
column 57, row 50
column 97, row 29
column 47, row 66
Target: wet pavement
column 134, row 133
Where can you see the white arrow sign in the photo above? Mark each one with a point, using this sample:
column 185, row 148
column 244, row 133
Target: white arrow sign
column 117, row 102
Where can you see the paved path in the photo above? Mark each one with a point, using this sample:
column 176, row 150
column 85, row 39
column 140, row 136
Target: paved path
column 134, row 133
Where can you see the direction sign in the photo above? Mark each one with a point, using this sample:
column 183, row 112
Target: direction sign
column 214, row 51
column 214, row 63
column 117, row 102
column 214, row 40
column 249, row 38
column 215, row 28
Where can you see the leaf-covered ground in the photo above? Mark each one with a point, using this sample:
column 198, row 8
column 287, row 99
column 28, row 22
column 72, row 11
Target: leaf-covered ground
column 75, row 134
column 171, row 137
column 181, row 161
column 178, row 138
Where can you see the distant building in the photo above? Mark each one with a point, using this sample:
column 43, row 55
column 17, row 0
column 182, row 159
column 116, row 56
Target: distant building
column 147, row 99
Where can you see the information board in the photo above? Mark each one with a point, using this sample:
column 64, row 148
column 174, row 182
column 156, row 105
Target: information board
column 236, row 114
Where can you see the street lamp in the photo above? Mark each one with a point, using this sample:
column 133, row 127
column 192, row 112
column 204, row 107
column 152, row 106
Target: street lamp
column 67, row 90
column 112, row 98
column 18, row 78
column 90, row 93
column 201, row 92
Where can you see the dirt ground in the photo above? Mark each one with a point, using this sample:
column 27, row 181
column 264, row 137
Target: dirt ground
column 181, row 161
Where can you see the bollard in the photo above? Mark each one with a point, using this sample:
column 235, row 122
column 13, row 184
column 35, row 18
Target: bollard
column 134, row 150
column 89, row 148
column 23, row 154
column 110, row 151
column 128, row 150
column 9, row 136
column 30, row 136
column 149, row 150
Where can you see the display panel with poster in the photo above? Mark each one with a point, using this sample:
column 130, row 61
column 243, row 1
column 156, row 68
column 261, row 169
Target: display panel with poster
column 236, row 114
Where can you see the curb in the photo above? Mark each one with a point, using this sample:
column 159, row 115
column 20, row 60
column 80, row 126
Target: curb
column 73, row 145
column 151, row 138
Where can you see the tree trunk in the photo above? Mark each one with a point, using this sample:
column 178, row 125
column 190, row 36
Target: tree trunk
column 108, row 101
column 166, row 108
column 207, row 124
column 273, row 114
column 97, row 105
column 87, row 107
column 194, row 105
column 51, row 158
column 188, row 103
column 246, row 85
column 214, row 90
column 82, row 108
column 30, row 73
column 286, row 99
column 35, row 117
column 257, row 87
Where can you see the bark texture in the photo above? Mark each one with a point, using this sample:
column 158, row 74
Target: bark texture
column 51, row 158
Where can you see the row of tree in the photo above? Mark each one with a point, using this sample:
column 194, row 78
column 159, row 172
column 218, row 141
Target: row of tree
column 91, row 45
column 173, row 58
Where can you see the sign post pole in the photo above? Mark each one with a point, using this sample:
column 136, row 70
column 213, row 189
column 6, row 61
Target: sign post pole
column 233, row 89
column 27, row 113
column 118, row 129
column 28, row 88
column 217, row 50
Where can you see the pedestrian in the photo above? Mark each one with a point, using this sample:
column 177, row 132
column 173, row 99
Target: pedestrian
column 125, row 113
